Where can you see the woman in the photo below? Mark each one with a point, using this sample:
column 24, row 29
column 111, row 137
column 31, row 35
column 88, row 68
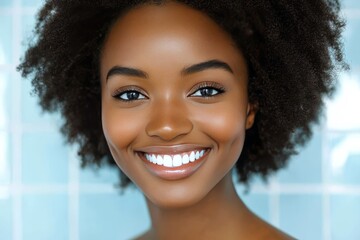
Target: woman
column 178, row 93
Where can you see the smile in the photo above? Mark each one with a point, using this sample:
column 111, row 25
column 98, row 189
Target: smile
column 173, row 162
column 176, row 160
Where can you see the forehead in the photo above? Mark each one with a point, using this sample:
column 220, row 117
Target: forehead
column 166, row 31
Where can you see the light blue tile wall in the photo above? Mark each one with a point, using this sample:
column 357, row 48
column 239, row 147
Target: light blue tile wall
column 301, row 215
column 305, row 168
column 259, row 203
column 5, row 217
column 350, row 4
column 112, row 216
column 45, row 195
column 344, row 156
column 44, row 158
column 5, row 3
column 352, row 38
column 6, row 43
column 5, row 156
column 5, row 106
column 31, row 3
column 45, row 216
column 95, row 175
column 345, row 216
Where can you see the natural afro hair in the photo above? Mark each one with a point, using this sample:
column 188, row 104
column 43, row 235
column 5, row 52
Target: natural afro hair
column 293, row 50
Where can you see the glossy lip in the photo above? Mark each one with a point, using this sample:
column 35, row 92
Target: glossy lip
column 172, row 173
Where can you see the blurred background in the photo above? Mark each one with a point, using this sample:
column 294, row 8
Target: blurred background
column 45, row 195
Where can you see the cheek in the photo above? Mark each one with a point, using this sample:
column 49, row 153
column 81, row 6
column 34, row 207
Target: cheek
column 225, row 124
column 120, row 127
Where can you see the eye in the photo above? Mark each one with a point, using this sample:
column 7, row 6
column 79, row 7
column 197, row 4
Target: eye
column 129, row 95
column 206, row 92
column 208, row 89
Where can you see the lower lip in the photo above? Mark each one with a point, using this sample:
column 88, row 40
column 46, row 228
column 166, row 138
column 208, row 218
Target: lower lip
column 174, row 173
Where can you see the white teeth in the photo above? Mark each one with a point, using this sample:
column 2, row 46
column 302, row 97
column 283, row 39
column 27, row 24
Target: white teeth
column 174, row 160
column 167, row 161
column 192, row 157
column 177, row 161
column 159, row 160
column 185, row 159
column 153, row 158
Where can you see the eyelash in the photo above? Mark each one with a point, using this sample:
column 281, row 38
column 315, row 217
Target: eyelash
column 209, row 85
column 204, row 85
column 118, row 93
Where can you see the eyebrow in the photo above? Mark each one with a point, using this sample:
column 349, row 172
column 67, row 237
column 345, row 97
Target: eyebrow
column 212, row 64
column 199, row 67
column 131, row 72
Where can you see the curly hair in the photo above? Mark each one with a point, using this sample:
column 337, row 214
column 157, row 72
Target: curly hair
column 293, row 51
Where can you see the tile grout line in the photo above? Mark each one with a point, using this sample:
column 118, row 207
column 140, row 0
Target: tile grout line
column 16, row 126
column 73, row 189
column 7, row 11
column 274, row 202
column 326, row 230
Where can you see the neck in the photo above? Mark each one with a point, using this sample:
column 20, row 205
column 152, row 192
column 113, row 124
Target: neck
column 221, row 213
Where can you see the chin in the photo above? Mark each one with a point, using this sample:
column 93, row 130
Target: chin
column 172, row 197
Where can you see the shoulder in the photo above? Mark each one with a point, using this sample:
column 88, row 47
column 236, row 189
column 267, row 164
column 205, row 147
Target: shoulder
column 265, row 231
column 275, row 234
column 144, row 236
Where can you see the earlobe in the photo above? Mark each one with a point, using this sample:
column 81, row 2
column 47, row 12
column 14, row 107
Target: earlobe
column 252, row 109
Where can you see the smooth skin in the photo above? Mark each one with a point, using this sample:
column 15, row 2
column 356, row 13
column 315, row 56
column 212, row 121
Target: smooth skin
column 159, row 96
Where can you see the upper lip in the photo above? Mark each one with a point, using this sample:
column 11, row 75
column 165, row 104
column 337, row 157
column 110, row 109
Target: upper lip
column 173, row 149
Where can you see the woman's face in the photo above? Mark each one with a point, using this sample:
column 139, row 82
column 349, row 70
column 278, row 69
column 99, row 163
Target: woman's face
column 174, row 102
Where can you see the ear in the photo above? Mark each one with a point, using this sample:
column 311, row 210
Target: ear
column 251, row 111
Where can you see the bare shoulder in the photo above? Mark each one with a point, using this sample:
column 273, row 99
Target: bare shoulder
column 144, row 236
column 276, row 234
column 258, row 229
column 266, row 231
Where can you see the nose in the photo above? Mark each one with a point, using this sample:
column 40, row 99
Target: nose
column 169, row 120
